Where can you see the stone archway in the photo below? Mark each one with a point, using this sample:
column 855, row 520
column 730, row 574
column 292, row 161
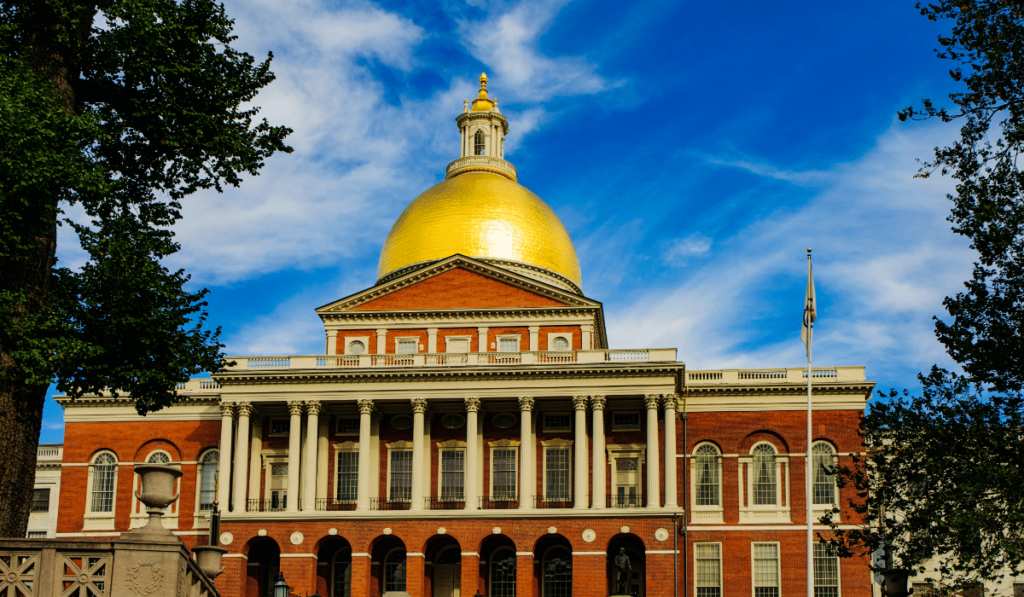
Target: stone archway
column 443, row 558
column 264, row 563
column 633, row 548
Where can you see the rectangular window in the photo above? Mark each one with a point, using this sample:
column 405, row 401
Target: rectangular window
column 503, row 472
column 708, row 569
column 279, row 426
column 766, row 570
column 278, row 486
column 508, row 344
column 627, row 483
column 41, row 500
column 348, row 477
column 36, row 535
column 460, row 345
column 405, row 346
column 453, row 475
column 401, row 476
column 826, row 572
column 103, row 487
column 625, row 421
column 557, row 422
column 347, row 426
column 556, row 471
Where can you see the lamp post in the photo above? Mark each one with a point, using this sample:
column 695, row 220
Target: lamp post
column 280, row 587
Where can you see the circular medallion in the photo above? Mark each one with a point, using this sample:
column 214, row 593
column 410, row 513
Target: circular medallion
column 589, row 535
column 401, row 422
column 453, row 421
column 504, row 420
column 661, row 534
column 296, row 538
column 226, row 538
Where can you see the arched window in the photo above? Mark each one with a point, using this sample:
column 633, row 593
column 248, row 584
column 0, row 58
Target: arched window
column 159, row 457
column 765, row 481
column 342, row 573
column 394, row 571
column 208, row 480
column 557, row 573
column 104, row 480
column 503, row 573
column 708, row 484
column 823, row 490
column 478, row 143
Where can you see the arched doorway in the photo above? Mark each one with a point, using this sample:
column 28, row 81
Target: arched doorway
column 334, row 566
column 263, row 565
column 498, row 560
column 444, row 555
column 555, row 566
column 389, row 556
column 632, row 574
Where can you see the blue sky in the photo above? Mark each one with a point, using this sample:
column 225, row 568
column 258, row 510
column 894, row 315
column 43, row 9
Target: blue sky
column 694, row 150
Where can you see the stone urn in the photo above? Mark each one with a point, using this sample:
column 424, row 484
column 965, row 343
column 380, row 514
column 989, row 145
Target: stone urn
column 894, row 582
column 157, row 484
column 208, row 557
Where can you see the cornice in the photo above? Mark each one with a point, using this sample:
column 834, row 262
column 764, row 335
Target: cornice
column 459, row 314
column 212, row 398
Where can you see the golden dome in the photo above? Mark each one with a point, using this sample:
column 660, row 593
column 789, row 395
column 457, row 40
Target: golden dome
column 482, row 215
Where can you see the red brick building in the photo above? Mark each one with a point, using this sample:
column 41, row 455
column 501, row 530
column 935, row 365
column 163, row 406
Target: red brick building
column 468, row 429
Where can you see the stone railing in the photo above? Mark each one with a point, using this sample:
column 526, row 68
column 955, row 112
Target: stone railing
column 787, row 376
column 481, row 162
column 198, row 386
column 373, row 361
column 51, row 452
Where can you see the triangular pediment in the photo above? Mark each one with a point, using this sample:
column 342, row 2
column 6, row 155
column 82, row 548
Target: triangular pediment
column 458, row 283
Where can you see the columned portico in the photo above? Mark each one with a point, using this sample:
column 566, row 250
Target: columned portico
column 419, row 407
column 599, row 460
column 312, row 426
column 472, row 409
column 224, row 458
column 670, row 450
column 363, row 479
column 579, row 404
column 525, row 452
column 241, row 456
column 653, row 485
column 294, row 445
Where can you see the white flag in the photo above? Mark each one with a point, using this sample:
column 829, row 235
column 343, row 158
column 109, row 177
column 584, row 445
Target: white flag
column 810, row 309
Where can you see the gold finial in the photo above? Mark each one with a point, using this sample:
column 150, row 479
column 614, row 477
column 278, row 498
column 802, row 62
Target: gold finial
column 483, row 103
column 483, row 80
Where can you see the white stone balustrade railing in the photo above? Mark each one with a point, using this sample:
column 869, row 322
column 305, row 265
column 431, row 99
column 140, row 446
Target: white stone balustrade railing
column 197, row 386
column 481, row 161
column 50, row 452
column 789, row 375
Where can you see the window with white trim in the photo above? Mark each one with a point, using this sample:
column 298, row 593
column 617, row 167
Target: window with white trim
column 41, row 499
column 558, row 474
column 457, row 344
column 765, row 493
column 764, row 477
column 707, row 559
column 356, row 347
column 347, row 426
column 406, row 345
column 400, row 476
column 626, row 484
column 504, row 472
column 823, row 488
column 207, row 475
column 766, row 569
column 346, row 486
column 508, row 343
column 707, row 478
column 279, row 426
column 453, row 475
column 159, row 457
column 277, row 488
column 479, row 148
column 826, row 571
column 103, row 483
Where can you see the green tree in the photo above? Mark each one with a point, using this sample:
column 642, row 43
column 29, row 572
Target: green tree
column 122, row 107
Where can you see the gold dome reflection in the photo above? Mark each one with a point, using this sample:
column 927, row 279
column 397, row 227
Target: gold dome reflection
column 481, row 215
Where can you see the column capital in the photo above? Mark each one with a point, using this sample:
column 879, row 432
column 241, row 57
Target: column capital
column 295, row 407
column 526, row 403
column 365, row 406
column 313, row 407
column 482, row 329
column 670, row 402
column 244, row 409
column 580, row 402
column 472, row 404
column 227, row 409
column 534, row 329
column 332, row 333
column 382, row 331
column 587, row 327
column 651, row 401
column 419, row 405
column 597, row 402
column 432, row 330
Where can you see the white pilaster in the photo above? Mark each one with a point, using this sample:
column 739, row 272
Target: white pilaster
column 431, row 340
column 363, row 481
column 332, row 342
column 255, row 453
column 472, row 408
column 225, row 456
column 587, row 331
column 535, row 338
column 482, row 339
column 312, row 425
column 653, row 464
column 382, row 341
column 525, row 452
column 599, row 464
column 419, row 407
column 322, row 443
column 579, row 404
column 669, row 400
column 241, row 457
column 294, row 446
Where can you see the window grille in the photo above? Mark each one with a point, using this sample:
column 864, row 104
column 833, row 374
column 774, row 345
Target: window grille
column 823, row 490
column 557, row 573
column 557, row 474
column 36, row 535
column 766, row 570
column 503, row 463
column 104, row 472
column 626, row 421
column 41, row 500
column 478, row 143
column 508, row 345
column 356, row 347
column 627, row 482
column 401, row 476
column 453, row 474
column 394, row 572
column 158, row 458
column 347, row 426
column 557, row 422
column 765, row 486
column 347, row 486
column 707, row 484
column 279, row 426
column 406, row 347
column 342, row 574
column 826, row 572
column 708, row 569
column 278, row 486
column 208, row 480
column 560, row 343
column 503, row 573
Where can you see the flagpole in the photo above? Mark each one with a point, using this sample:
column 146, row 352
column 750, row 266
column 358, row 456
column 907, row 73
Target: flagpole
column 809, row 322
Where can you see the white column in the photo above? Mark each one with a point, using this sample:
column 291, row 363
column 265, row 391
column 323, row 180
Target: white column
column 587, row 330
column 312, row 426
column 382, row 341
column 255, row 454
column 535, row 338
column 525, row 452
column 599, row 464
column 224, row 458
column 472, row 408
column 322, row 443
column 241, row 457
column 294, row 446
column 579, row 404
column 363, row 480
column 482, row 339
column 431, row 340
column 419, row 407
column 332, row 342
column 653, row 464
column 669, row 401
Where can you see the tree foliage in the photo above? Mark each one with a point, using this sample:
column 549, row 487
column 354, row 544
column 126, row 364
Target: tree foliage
column 121, row 108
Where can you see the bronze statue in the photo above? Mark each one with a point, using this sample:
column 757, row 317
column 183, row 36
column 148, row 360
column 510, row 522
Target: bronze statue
column 623, row 573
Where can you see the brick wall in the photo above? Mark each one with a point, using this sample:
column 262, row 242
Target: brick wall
column 458, row 289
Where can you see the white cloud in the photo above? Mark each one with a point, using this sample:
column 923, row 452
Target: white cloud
column 677, row 250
